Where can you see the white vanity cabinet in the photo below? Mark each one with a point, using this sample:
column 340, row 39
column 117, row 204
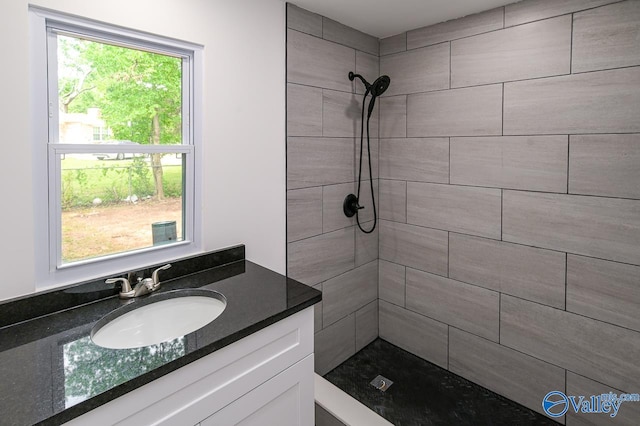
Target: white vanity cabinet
column 263, row 379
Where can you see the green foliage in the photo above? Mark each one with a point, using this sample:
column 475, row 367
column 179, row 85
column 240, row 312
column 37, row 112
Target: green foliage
column 129, row 86
column 141, row 179
column 113, row 181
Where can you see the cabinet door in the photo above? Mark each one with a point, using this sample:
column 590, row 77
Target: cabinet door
column 285, row 400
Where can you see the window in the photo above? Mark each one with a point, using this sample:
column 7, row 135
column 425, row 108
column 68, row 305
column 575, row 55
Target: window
column 114, row 147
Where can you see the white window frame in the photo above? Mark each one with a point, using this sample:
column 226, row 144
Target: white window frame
column 47, row 153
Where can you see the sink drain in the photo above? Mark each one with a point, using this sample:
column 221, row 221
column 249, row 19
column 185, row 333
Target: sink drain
column 381, row 383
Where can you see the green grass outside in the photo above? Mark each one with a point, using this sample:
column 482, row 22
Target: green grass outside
column 112, row 181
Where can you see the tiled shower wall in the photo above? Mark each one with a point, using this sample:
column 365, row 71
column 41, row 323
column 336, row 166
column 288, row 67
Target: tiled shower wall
column 509, row 179
column 323, row 124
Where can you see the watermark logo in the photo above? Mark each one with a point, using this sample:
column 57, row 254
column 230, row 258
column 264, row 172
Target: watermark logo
column 557, row 403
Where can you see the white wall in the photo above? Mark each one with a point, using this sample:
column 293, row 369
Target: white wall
column 244, row 121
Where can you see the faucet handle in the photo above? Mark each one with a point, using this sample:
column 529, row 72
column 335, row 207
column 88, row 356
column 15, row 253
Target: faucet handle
column 126, row 290
column 154, row 275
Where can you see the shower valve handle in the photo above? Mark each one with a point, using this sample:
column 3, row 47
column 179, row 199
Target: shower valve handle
column 350, row 205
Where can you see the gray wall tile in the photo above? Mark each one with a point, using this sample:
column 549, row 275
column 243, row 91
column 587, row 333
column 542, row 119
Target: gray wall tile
column 319, row 258
column 391, row 282
column 567, row 104
column 315, row 62
column 317, row 312
column 339, row 33
column 304, row 213
column 417, row 159
column 577, row 385
column 417, row 70
column 469, row 210
column 393, row 44
column 527, row 272
column 475, row 111
column 607, row 165
column 604, row 290
column 533, row 10
column 334, row 344
column 333, row 216
column 374, row 142
column 393, row 200
column 367, row 244
column 366, row 325
column 346, row 293
column 304, row 110
column 414, row 246
column 602, row 351
column 533, row 50
column 606, row 37
column 469, row 307
column 393, row 117
column 536, row 163
column 413, row 332
column 456, row 28
column 319, row 161
column 515, row 375
column 341, row 115
column 302, row 20
column 368, row 66
column 607, row 228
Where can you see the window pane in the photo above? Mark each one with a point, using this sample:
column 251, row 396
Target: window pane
column 118, row 93
column 118, row 202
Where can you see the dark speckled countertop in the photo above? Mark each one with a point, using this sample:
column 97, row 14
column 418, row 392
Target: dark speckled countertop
column 51, row 372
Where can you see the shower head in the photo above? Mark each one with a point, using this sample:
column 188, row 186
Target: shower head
column 380, row 85
column 377, row 88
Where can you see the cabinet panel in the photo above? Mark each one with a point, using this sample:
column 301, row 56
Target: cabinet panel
column 203, row 387
column 284, row 400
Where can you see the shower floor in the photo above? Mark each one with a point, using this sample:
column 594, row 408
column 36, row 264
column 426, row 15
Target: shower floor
column 423, row 393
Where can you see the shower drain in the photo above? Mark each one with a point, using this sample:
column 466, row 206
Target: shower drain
column 381, row 383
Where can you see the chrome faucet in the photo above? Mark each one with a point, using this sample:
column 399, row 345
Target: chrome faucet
column 143, row 286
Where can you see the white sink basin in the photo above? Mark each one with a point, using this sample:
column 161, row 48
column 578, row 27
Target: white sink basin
column 158, row 318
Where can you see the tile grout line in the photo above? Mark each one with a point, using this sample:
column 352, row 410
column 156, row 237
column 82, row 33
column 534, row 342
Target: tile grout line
column 448, row 347
column 566, row 279
column 406, row 201
column 501, row 214
column 405, row 286
column 449, row 161
column 502, row 109
column 568, row 160
column 449, row 254
column 571, row 46
column 499, row 316
column 450, row 72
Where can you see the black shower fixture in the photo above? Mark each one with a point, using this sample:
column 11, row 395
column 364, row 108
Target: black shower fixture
column 379, row 86
column 351, row 205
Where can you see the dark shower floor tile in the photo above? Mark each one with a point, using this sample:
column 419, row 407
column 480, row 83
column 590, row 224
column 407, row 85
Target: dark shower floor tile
column 423, row 393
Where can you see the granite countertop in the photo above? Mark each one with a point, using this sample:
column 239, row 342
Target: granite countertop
column 51, row 372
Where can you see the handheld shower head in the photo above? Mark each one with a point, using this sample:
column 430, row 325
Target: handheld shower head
column 376, row 89
column 380, row 85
